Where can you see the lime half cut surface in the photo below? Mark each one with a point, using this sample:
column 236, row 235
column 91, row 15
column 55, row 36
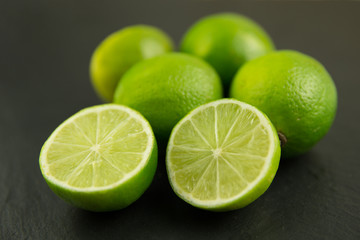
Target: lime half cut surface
column 223, row 155
column 101, row 159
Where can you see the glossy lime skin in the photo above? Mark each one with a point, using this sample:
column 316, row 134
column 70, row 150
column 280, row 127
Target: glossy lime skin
column 120, row 51
column 165, row 88
column 295, row 91
column 226, row 41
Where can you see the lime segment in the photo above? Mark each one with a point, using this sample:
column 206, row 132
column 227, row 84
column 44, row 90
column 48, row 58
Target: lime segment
column 223, row 155
column 99, row 152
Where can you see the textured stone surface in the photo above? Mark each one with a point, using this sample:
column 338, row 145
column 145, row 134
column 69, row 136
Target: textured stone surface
column 45, row 53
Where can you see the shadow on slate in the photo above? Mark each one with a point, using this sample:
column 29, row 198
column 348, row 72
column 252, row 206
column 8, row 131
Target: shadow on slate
column 303, row 173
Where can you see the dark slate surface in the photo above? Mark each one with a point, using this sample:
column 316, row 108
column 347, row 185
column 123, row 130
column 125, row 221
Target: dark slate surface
column 45, row 50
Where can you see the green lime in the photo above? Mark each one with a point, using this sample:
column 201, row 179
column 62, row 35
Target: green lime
column 295, row 91
column 226, row 41
column 102, row 158
column 167, row 87
column 121, row 50
column 223, row 155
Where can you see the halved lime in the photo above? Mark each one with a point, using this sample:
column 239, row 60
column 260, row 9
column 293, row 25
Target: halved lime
column 102, row 158
column 223, row 155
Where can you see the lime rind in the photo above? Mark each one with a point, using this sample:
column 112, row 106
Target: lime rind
column 249, row 193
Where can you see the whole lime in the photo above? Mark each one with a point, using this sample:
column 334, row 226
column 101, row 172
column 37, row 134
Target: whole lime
column 226, row 41
column 295, row 91
column 165, row 88
column 121, row 50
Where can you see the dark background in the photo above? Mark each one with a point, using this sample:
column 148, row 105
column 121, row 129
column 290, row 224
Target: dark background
column 45, row 47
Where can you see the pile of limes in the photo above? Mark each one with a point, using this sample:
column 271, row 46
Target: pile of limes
column 222, row 153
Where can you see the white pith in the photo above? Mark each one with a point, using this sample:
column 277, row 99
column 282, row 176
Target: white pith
column 145, row 155
column 220, row 201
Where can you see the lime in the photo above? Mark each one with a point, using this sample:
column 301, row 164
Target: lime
column 102, row 158
column 167, row 87
column 226, row 41
column 223, row 155
column 121, row 50
column 295, row 91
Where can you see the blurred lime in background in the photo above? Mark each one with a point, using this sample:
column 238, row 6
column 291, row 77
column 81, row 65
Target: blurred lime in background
column 121, row 50
column 226, row 41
